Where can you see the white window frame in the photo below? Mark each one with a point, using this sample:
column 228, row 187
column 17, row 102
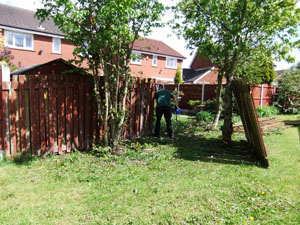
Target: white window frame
column 154, row 59
column 53, row 47
column 174, row 63
column 14, row 33
column 138, row 58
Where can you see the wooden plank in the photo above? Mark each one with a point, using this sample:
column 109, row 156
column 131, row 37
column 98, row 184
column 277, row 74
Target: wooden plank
column 33, row 115
column 81, row 112
column 60, row 112
column 142, row 107
column 52, row 117
column 152, row 105
column 95, row 122
column 75, row 112
column 250, row 119
column 22, row 114
column 5, row 118
column 148, row 92
column 137, row 108
column 13, row 129
column 42, row 84
column 88, row 115
column 127, row 119
column 132, row 111
column 69, row 108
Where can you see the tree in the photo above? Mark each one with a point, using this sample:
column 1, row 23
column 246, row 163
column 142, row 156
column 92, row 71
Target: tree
column 103, row 33
column 178, row 78
column 6, row 57
column 288, row 98
column 229, row 32
column 258, row 68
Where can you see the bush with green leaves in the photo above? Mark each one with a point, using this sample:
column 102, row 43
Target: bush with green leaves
column 288, row 97
column 204, row 117
column 178, row 77
column 266, row 111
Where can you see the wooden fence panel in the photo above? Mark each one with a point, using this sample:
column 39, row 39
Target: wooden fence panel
column 137, row 108
column 76, row 112
column 58, row 113
column 5, row 122
column 69, row 108
column 13, row 128
column 22, row 113
column 42, row 85
column 250, row 119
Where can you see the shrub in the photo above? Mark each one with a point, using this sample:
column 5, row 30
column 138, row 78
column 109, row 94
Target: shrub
column 204, row 117
column 267, row 111
column 178, row 78
column 195, row 104
column 288, row 98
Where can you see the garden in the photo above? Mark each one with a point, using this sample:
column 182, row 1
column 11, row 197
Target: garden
column 192, row 179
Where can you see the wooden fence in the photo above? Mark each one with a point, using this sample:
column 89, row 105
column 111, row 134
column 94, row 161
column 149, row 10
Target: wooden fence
column 261, row 94
column 58, row 113
column 202, row 92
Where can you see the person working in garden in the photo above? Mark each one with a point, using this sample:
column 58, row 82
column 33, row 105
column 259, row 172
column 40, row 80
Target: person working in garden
column 163, row 98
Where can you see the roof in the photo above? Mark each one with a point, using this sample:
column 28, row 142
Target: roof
column 190, row 75
column 155, row 46
column 15, row 17
column 281, row 72
column 49, row 66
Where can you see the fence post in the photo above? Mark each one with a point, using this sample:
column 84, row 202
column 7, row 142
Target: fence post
column 261, row 95
column 203, row 92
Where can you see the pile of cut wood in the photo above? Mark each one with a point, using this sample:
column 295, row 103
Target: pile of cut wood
column 268, row 123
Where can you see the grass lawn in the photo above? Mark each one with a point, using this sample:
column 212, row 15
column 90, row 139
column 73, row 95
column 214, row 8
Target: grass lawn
column 191, row 180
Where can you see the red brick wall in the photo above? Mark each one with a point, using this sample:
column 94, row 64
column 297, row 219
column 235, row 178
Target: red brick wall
column 29, row 58
column 146, row 70
column 201, row 62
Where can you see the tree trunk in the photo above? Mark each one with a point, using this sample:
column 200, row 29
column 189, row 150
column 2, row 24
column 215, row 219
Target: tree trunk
column 219, row 101
column 227, row 128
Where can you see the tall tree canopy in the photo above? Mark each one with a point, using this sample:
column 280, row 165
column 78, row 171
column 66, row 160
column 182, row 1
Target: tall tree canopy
column 103, row 33
column 229, row 32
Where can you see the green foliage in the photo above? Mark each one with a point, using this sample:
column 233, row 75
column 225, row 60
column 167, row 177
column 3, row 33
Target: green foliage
column 267, row 111
column 178, row 77
column 230, row 32
column 204, row 116
column 103, row 33
column 195, row 104
column 288, row 97
column 258, row 68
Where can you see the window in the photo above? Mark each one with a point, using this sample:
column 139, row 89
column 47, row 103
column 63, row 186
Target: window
column 18, row 40
column 56, row 45
column 136, row 58
column 154, row 60
column 171, row 63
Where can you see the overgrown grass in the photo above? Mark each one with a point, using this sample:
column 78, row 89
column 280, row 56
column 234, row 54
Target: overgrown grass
column 191, row 180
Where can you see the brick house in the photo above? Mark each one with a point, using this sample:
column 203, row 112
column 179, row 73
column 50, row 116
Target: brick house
column 155, row 59
column 201, row 71
column 32, row 43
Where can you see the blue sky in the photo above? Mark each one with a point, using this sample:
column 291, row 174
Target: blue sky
column 165, row 34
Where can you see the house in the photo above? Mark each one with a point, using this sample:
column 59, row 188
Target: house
column 32, row 42
column 201, row 71
column 155, row 59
